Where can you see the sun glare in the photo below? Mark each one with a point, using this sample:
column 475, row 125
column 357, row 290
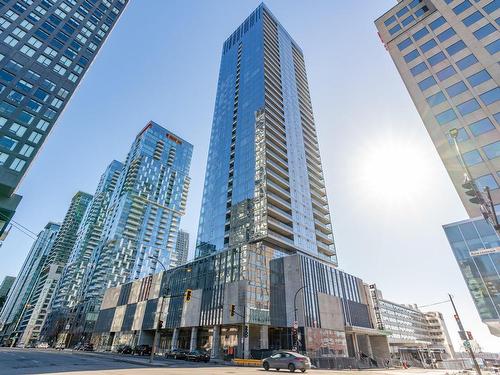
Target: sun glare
column 392, row 171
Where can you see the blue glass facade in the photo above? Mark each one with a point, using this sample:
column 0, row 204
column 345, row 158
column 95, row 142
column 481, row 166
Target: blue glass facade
column 264, row 179
column 476, row 247
column 144, row 213
column 46, row 48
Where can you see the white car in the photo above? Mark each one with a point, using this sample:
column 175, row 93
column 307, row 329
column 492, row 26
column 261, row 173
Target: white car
column 43, row 345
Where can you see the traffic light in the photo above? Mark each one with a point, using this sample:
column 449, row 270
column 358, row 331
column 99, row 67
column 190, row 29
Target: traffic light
column 160, row 324
column 471, row 191
column 469, row 335
column 232, row 310
column 187, row 295
column 245, row 331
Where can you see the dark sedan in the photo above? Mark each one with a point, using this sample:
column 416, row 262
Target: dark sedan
column 198, row 356
column 177, row 354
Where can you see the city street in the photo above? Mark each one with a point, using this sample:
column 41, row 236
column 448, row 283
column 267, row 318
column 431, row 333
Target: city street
column 37, row 361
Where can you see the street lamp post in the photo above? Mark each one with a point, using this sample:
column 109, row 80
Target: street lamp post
column 157, row 328
column 163, row 296
column 295, row 322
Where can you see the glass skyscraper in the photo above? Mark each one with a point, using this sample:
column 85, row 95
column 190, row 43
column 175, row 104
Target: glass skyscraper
column 26, row 280
column 264, row 180
column 46, row 48
column 50, row 273
column 144, row 213
column 476, row 245
column 447, row 53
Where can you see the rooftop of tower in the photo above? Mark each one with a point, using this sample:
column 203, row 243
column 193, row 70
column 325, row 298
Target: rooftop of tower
column 246, row 25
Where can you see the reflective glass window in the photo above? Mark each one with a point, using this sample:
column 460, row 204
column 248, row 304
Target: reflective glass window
column 492, row 150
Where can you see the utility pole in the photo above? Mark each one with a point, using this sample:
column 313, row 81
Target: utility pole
column 463, row 334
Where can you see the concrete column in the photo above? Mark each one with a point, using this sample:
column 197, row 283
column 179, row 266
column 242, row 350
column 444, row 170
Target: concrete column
column 175, row 338
column 194, row 338
column 264, row 337
column 369, row 346
column 215, row 342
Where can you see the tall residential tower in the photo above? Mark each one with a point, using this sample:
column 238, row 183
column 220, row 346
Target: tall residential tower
column 264, row 180
column 447, row 53
column 20, row 293
column 46, row 47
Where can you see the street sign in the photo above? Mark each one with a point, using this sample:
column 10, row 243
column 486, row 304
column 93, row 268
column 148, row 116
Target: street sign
column 467, row 344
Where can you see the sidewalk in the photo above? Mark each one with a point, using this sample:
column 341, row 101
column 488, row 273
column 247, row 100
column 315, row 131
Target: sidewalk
column 144, row 360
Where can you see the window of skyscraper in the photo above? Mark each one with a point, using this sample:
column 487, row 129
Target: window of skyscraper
column 493, row 47
column 482, row 126
column 408, row 20
column 447, row 34
column 426, row 83
column 492, row 150
column 478, row 78
column 456, row 89
column 473, row 18
column 402, row 12
column 491, row 96
column 411, row 55
column 468, row 107
column 390, row 20
column 466, row 62
column 437, row 58
column 436, row 99
column 428, row 45
column 462, row 6
column 436, row 23
column 486, row 181
column 456, row 47
column 420, row 34
column 394, row 30
column 446, row 116
column 491, row 7
column 404, row 44
column 484, row 31
column 419, row 68
column 446, row 73
column 472, row 157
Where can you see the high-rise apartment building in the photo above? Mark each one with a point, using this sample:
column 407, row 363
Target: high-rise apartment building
column 36, row 312
column 26, row 280
column 5, row 287
column 182, row 247
column 264, row 276
column 144, row 214
column 69, row 289
column 447, row 53
column 46, row 48
column 87, row 239
column 264, row 180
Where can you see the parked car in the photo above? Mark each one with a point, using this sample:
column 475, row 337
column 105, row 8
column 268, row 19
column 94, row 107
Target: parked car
column 177, row 354
column 88, row 347
column 60, row 346
column 142, row 350
column 198, row 356
column 43, row 345
column 287, row 360
column 125, row 349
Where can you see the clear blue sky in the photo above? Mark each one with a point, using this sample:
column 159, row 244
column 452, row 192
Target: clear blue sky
column 161, row 63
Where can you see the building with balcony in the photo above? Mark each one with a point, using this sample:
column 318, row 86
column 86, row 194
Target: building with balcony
column 25, row 282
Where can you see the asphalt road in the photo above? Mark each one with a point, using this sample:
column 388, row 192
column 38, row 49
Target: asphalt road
column 36, row 361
